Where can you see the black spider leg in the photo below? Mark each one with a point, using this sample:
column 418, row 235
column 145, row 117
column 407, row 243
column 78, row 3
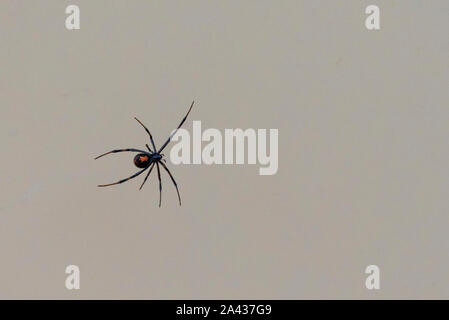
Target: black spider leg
column 182, row 122
column 148, row 174
column 120, row 150
column 149, row 133
column 172, row 179
column 160, row 183
column 123, row 180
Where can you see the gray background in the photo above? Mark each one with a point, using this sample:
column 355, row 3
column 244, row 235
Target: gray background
column 363, row 149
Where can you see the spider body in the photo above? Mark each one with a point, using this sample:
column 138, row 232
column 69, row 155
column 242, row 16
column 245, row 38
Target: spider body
column 144, row 160
column 148, row 160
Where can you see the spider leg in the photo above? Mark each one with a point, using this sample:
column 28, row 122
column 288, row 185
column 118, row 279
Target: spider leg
column 160, row 183
column 149, row 133
column 148, row 147
column 182, row 122
column 148, row 174
column 120, row 150
column 172, row 179
column 124, row 180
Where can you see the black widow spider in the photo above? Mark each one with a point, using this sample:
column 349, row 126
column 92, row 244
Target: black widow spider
column 149, row 159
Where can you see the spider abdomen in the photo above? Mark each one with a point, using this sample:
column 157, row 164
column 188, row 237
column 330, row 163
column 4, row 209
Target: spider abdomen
column 142, row 160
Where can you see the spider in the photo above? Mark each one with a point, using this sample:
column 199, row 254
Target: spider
column 149, row 159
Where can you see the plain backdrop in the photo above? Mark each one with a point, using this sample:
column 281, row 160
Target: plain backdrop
column 363, row 149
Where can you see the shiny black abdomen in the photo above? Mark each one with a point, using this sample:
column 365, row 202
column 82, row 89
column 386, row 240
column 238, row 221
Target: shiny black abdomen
column 142, row 160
